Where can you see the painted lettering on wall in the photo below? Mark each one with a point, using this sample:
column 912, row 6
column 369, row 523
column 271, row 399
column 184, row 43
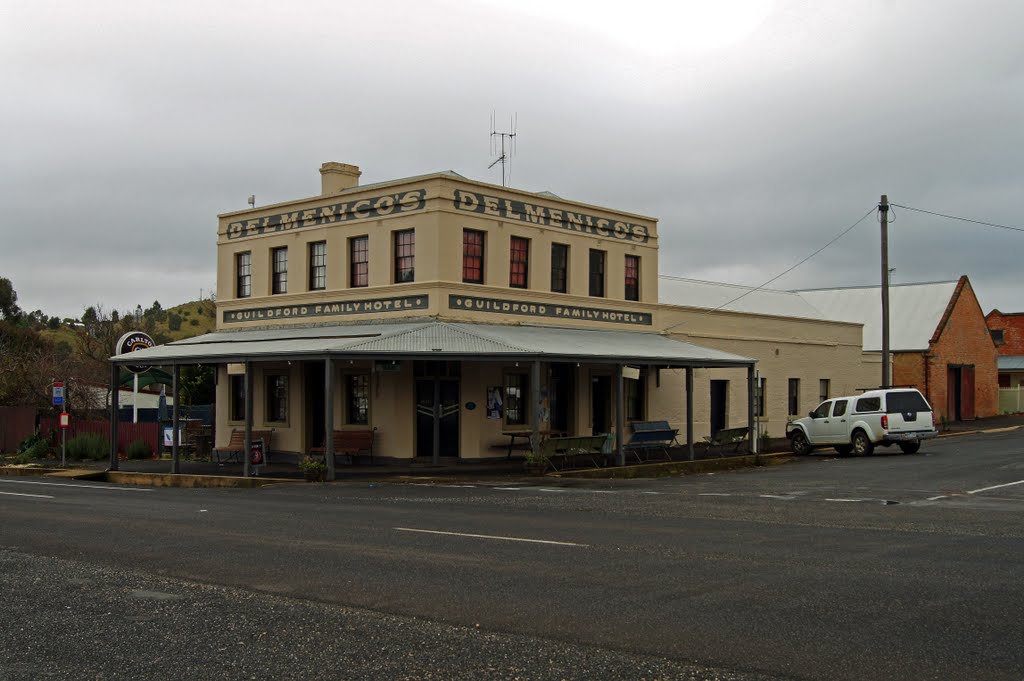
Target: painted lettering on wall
column 509, row 209
column 360, row 209
column 533, row 309
column 340, row 307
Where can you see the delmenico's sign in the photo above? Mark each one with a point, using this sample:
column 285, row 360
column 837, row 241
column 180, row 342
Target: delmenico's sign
column 535, row 309
column 330, row 309
column 534, row 214
column 359, row 209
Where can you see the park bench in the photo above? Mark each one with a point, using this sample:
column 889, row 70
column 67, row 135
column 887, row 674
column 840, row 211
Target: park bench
column 651, row 436
column 348, row 443
column 564, row 449
column 236, row 445
column 726, row 437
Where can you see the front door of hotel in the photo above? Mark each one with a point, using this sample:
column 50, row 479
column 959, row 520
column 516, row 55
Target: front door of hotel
column 315, row 418
column 440, row 379
column 600, row 404
column 561, row 398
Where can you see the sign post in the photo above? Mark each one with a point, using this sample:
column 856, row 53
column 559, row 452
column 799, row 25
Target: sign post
column 256, row 456
column 65, row 421
column 58, row 401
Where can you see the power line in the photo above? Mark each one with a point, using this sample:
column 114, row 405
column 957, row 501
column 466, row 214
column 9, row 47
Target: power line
column 955, row 217
column 779, row 276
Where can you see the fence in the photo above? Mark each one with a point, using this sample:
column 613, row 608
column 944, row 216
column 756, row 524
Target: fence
column 16, row 424
column 49, row 427
column 1011, row 400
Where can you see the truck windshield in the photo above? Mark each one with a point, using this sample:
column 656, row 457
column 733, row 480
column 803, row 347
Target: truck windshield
column 896, row 403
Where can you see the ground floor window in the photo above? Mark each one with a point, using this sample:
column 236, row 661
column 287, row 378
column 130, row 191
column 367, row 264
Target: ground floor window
column 761, row 387
column 633, row 397
column 824, row 389
column 517, row 389
column 794, row 396
column 357, row 399
column 277, row 398
column 237, row 388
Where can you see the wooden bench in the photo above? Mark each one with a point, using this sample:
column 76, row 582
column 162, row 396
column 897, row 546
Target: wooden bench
column 564, row 448
column 726, row 437
column 348, row 443
column 650, row 436
column 236, row 446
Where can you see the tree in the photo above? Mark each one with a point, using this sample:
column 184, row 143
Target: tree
column 8, row 300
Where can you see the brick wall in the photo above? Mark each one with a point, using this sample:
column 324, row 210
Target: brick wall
column 963, row 338
column 908, row 369
column 1012, row 326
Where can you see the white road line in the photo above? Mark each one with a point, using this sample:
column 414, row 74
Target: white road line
column 508, row 489
column 488, row 536
column 774, row 496
column 70, row 484
column 646, row 492
column 714, row 494
column 37, row 496
column 985, row 489
column 941, row 496
column 551, row 489
column 844, row 500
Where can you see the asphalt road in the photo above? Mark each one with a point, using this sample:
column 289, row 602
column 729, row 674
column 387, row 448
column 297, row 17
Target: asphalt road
column 888, row 567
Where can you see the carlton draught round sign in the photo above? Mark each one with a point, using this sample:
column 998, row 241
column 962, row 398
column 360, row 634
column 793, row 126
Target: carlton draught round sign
column 132, row 341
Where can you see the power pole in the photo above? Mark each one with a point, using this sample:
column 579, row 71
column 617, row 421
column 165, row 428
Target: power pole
column 883, row 209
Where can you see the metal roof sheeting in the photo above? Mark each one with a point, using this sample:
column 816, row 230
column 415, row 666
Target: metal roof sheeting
column 914, row 311
column 714, row 295
column 431, row 338
column 1011, row 363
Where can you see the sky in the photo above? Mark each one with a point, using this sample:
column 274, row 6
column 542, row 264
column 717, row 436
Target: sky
column 754, row 130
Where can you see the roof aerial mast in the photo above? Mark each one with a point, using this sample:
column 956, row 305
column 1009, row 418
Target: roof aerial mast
column 505, row 147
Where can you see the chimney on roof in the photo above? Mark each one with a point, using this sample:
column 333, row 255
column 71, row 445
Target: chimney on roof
column 337, row 177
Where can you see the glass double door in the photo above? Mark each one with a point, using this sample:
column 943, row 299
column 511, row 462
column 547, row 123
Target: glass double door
column 442, row 391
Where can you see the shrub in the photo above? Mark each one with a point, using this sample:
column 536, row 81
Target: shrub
column 88, row 446
column 194, row 322
column 173, row 321
column 139, row 449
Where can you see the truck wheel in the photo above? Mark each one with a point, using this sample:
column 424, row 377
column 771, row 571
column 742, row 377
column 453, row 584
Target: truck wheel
column 844, row 450
column 910, row 447
column 861, row 444
column 800, row 444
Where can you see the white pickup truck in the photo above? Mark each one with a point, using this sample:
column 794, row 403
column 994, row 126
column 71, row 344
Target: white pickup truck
column 857, row 424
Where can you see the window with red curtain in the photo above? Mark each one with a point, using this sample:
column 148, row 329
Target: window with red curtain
column 359, row 261
column 472, row 256
column 632, row 277
column 405, row 256
column 519, row 256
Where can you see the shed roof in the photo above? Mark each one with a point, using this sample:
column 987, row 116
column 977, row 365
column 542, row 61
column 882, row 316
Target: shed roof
column 1011, row 363
column 435, row 339
column 717, row 295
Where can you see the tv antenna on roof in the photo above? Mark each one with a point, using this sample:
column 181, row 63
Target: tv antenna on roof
column 504, row 144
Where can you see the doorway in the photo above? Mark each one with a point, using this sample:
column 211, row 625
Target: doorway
column 316, row 404
column 719, row 405
column 562, row 376
column 960, row 393
column 440, row 379
column 600, row 404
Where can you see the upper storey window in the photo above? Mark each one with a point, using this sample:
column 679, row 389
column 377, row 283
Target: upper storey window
column 597, row 260
column 472, row 256
column 519, row 257
column 279, row 264
column 559, row 268
column 405, row 256
column 318, row 266
column 632, row 277
column 243, row 274
column 359, row 261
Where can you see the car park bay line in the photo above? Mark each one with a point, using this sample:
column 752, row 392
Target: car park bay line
column 489, row 536
column 985, row 489
column 71, row 484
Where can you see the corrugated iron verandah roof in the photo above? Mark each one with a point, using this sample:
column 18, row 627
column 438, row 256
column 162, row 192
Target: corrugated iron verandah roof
column 425, row 339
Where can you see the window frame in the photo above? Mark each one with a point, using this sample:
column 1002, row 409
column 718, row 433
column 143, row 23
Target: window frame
column 760, row 403
column 359, row 269
column 560, row 273
column 278, row 271
column 824, row 389
column 516, row 403
column 793, row 397
column 243, row 274
column 404, row 270
column 354, row 404
column 518, row 262
column 596, row 277
column 473, row 262
column 634, row 397
column 632, row 284
column 275, row 403
column 236, row 397
column 317, row 266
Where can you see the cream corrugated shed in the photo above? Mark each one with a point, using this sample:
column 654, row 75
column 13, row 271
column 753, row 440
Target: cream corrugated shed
column 436, row 339
column 714, row 295
column 914, row 311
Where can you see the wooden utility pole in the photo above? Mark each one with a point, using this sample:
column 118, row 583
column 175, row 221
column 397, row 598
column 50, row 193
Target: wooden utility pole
column 883, row 209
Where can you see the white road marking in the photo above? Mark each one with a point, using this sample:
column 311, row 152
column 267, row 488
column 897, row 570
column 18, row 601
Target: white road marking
column 551, row 489
column 941, row 496
column 37, row 496
column 985, row 489
column 774, row 496
column 714, row 494
column 70, row 484
column 456, row 486
column 488, row 536
column 645, row 492
column 844, row 500
column 508, row 489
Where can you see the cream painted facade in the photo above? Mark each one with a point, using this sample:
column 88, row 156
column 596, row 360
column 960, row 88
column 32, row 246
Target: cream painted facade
column 438, row 209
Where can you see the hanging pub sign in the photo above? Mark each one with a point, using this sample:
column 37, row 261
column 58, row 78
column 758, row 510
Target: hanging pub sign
column 132, row 342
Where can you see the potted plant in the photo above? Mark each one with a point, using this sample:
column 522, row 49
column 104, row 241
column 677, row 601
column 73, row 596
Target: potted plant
column 313, row 468
column 535, row 464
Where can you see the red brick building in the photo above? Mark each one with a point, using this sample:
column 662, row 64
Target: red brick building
column 1007, row 330
column 939, row 340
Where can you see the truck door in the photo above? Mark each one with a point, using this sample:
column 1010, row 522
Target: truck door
column 820, row 423
column 839, row 426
